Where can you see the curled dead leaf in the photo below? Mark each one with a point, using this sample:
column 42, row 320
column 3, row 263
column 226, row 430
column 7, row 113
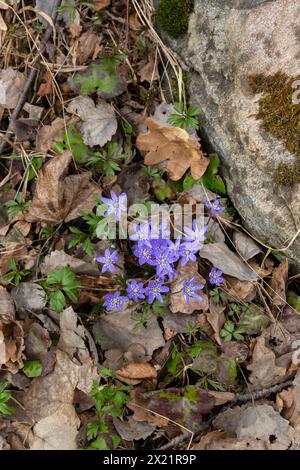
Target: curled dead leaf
column 136, row 372
column 11, row 346
column 216, row 318
column 59, row 197
column 182, row 151
column 278, row 282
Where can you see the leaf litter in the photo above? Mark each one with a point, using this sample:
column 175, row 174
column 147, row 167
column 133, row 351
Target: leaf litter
column 218, row 363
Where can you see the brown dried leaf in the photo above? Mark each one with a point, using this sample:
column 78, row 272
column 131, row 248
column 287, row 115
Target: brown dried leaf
column 85, row 47
column 17, row 251
column 58, row 258
column 134, row 373
column 59, row 197
column 101, row 4
column 264, row 371
column 46, row 87
column 149, row 71
column 243, row 291
column 285, row 401
column 216, row 319
column 49, row 401
column 278, row 283
column 177, row 300
column 118, row 331
column 175, row 145
column 99, row 122
column 11, row 86
column 141, row 413
column 131, row 430
column 221, row 397
column 11, row 346
column 47, row 135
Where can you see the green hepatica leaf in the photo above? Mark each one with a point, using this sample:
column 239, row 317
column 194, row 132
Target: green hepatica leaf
column 105, row 80
column 185, row 406
column 57, row 301
column 253, row 320
column 33, row 368
column 210, row 179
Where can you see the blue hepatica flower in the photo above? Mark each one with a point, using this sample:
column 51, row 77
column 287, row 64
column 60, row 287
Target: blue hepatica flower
column 163, row 263
column 108, row 261
column 175, row 249
column 114, row 301
column 116, row 205
column 154, row 291
column 215, row 277
column 189, row 290
column 135, row 290
column 144, row 253
column 196, row 235
column 188, row 253
column 214, row 207
column 142, row 233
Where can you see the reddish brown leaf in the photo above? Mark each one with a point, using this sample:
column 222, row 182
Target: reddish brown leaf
column 135, row 373
column 175, row 145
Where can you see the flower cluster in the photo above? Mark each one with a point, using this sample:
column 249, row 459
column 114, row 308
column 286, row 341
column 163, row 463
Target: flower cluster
column 152, row 246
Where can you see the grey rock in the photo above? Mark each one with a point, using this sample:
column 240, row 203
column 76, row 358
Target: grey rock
column 228, row 41
column 223, row 258
column 28, row 297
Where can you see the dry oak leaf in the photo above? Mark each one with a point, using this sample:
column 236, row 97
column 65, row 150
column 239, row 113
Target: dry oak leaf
column 136, row 372
column 175, row 145
column 59, row 197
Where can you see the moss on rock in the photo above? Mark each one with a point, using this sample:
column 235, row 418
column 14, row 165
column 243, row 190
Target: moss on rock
column 281, row 117
column 173, row 16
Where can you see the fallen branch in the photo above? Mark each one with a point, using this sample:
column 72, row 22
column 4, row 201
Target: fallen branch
column 239, row 398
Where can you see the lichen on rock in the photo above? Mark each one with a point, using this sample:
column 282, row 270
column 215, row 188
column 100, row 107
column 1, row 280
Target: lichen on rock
column 173, row 16
column 280, row 116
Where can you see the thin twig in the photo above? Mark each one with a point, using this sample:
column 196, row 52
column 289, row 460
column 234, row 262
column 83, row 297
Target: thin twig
column 239, row 398
column 256, row 395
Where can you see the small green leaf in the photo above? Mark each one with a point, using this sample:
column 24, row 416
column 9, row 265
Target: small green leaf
column 99, row 444
column 33, row 368
column 57, row 301
column 210, row 179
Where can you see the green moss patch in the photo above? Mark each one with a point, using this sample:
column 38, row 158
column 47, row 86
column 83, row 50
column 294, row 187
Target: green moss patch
column 281, row 117
column 173, row 16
